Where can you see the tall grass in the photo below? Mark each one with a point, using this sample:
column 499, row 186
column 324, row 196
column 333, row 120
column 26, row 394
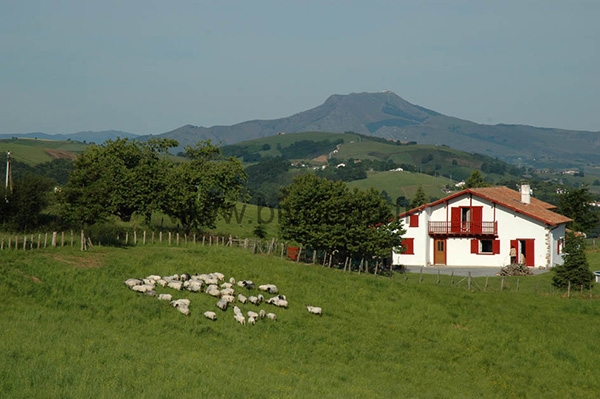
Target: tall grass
column 71, row 329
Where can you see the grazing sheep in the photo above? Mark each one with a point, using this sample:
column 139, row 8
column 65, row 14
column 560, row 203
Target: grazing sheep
column 219, row 276
column 162, row 282
column 184, row 310
column 226, row 285
column 148, row 281
column 246, row 283
column 210, row 315
column 213, row 291
column 272, row 316
column 186, row 284
column 252, row 314
column 153, row 277
column 184, row 277
column 132, row 282
column 252, row 320
column 314, row 310
column 270, row 288
column 142, row 288
column 262, row 314
column 282, row 303
column 281, row 297
column 231, row 280
column 222, row 304
column 176, row 285
column 165, row 297
column 240, row 319
column 195, row 286
column 237, row 310
column 242, row 299
column 150, row 293
column 253, row 300
column 180, row 302
column 229, row 298
column 227, row 291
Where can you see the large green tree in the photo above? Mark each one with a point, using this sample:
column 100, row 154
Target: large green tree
column 575, row 267
column 475, row 180
column 575, row 203
column 21, row 208
column 325, row 215
column 196, row 192
column 419, row 199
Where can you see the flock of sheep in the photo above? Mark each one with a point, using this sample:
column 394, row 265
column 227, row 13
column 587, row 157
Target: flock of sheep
column 214, row 285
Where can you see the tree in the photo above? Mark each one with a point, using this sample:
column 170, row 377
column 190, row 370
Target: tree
column 259, row 230
column 325, row 215
column 575, row 204
column 118, row 178
column 196, row 192
column 475, row 180
column 30, row 196
column 419, row 199
column 575, row 267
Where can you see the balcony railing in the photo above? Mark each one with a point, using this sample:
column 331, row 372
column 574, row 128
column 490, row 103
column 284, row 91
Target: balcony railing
column 463, row 228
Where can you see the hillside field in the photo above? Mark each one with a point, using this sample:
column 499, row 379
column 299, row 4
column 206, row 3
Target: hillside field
column 71, row 329
column 33, row 152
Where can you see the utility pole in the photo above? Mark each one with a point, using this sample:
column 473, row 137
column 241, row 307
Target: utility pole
column 8, row 177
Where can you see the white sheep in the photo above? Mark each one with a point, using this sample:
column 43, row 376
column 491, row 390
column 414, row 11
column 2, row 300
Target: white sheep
column 226, row 285
column 194, row 286
column 272, row 316
column 142, row 288
column 176, row 285
column 227, row 291
column 213, row 291
column 252, row 314
column 237, row 310
column 252, row 320
column 253, row 300
column 231, row 280
column 148, row 281
column 210, row 315
column 246, row 283
column 282, row 303
column 184, row 277
column 180, row 302
column 240, row 319
column 162, row 282
column 261, row 298
column 229, row 298
column 270, row 288
column 132, row 282
column 242, row 299
column 165, row 297
column 184, row 310
column 314, row 310
column 222, row 304
column 262, row 314
column 153, row 277
column 219, row 276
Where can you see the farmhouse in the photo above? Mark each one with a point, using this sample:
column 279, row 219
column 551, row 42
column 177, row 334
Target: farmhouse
column 490, row 226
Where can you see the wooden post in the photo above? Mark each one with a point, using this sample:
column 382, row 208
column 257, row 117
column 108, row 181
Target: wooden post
column 62, row 240
column 152, row 237
column 421, row 274
column 24, row 243
column 194, row 238
column 452, row 278
column 177, row 239
column 314, row 256
column 502, row 283
column 2, row 245
column 9, row 241
column 254, row 247
column 438, row 277
column 486, row 284
column 54, row 238
column 345, row 264
column 469, row 281
column 405, row 276
column 210, row 240
column 366, row 267
column 160, row 237
column 330, row 259
column 391, row 269
column 360, row 265
column 82, row 241
column 46, row 240
column 376, row 268
column 72, row 238
column 280, row 257
column 590, row 291
column 126, row 238
column 537, row 284
column 581, row 289
column 203, row 238
column 144, row 238
column 231, row 242
column 569, row 289
column 517, row 285
column 134, row 237
column 246, row 245
column 39, row 244
column 169, row 238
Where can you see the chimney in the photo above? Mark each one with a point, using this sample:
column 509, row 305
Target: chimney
column 525, row 194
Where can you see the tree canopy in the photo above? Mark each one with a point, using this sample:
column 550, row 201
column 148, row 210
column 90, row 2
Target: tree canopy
column 575, row 267
column 575, row 204
column 325, row 215
column 419, row 199
column 475, row 180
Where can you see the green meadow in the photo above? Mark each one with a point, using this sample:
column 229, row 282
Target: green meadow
column 71, row 329
column 33, row 151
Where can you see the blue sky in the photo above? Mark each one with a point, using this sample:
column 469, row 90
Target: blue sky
column 152, row 66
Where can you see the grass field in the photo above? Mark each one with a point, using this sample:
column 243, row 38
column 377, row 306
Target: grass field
column 70, row 329
column 33, row 151
column 405, row 184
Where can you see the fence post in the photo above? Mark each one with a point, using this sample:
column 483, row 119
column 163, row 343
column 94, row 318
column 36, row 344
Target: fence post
column 134, row 237
column 152, row 237
column 569, row 289
column 62, row 239
column 376, row 268
column 54, row 238
column 177, row 239
column 502, row 283
column 203, row 238
column 314, row 256
column 24, row 243
column 169, row 238
column 486, row 284
column 82, row 241
column 126, row 238
column 345, row 264
column 194, row 238
column 144, row 239
column 469, row 281
column 282, row 246
column 160, row 237
column 421, row 274
column 71, row 237
column 438, row 277
column 517, row 285
column 39, row 244
column 46, row 240
column 452, row 278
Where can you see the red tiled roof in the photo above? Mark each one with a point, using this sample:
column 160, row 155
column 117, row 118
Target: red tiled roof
column 510, row 199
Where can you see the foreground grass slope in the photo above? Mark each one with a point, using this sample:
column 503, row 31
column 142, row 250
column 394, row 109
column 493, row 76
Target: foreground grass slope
column 71, row 329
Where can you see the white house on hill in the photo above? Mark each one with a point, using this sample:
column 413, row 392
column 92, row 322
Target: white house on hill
column 490, row 226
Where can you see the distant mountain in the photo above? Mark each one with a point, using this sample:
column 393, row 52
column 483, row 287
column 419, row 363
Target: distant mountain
column 88, row 137
column 385, row 114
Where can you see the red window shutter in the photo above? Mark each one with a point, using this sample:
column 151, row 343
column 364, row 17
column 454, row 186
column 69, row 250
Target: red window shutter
column 455, row 221
column 530, row 252
column 476, row 219
column 414, row 221
column 474, row 246
column 408, row 243
column 496, row 247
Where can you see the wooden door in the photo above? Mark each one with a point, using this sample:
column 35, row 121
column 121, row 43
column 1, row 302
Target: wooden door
column 439, row 252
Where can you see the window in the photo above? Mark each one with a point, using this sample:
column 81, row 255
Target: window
column 414, row 221
column 485, row 247
column 408, row 243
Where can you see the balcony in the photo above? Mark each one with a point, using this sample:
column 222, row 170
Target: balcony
column 463, row 228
